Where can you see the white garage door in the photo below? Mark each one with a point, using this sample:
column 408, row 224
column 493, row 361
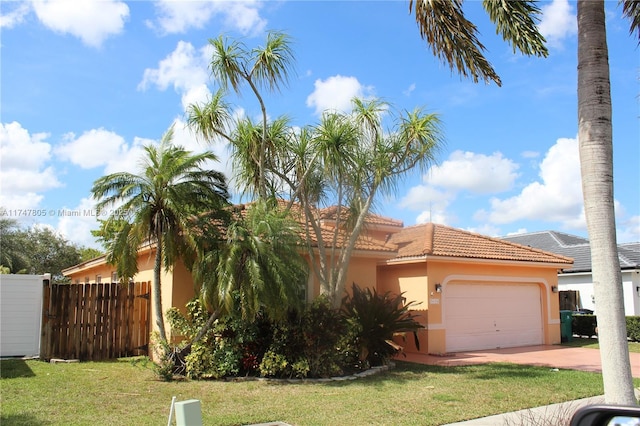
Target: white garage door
column 489, row 316
column 20, row 315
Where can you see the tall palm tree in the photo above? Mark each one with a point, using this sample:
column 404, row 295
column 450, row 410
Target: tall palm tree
column 596, row 164
column 160, row 206
column 453, row 39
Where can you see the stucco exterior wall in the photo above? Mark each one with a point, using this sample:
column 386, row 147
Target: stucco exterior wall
column 362, row 271
column 418, row 281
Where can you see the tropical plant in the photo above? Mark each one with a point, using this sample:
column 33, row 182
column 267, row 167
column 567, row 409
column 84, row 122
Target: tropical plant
column 257, row 268
column 347, row 159
column 453, row 39
column 351, row 159
column 378, row 318
column 159, row 206
column 233, row 64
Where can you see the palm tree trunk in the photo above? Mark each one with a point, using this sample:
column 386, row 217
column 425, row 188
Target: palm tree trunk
column 157, row 292
column 596, row 161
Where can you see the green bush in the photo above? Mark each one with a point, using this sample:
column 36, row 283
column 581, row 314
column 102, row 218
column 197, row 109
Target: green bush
column 199, row 364
column 633, row 328
column 273, row 365
column 375, row 319
column 584, row 325
column 307, row 343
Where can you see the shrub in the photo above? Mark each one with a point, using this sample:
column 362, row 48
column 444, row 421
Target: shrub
column 307, row 343
column 374, row 319
column 199, row 364
column 633, row 328
column 273, row 364
column 164, row 365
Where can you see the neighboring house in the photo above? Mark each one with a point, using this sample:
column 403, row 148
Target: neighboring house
column 475, row 292
column 578, row 278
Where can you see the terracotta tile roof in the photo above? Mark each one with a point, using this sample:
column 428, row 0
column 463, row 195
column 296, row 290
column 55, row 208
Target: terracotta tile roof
column 440, row 240
column 364, row 242
column 329, row 213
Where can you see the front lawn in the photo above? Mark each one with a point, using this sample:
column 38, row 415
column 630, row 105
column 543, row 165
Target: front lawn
column 126, row 392
column 582, row 342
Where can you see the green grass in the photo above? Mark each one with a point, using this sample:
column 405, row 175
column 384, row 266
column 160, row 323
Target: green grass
column 593, row 344
column 126, row 392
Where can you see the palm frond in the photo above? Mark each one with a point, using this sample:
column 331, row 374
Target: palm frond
column 517, row 22
column 631, row 10
column 227, row 62
column 453, row 39
column 211, row 119
column 273, row 63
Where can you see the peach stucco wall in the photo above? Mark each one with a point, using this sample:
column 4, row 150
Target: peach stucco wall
column 362, row 271
column 418, row 282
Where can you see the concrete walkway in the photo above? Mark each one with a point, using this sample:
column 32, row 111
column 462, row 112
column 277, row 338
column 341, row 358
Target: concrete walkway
column 553, row 356
column 556, row 356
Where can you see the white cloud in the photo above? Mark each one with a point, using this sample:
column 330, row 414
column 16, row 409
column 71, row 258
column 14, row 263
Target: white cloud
column 185, row 69
column 24, row 170
column 477, row 173
column 180, row 16
column 557, row 196
column 15, row 16
column 628, row 230
column 461, row 172
column 530, row 154
column 335, row 93
column 558, row 22
column 92, row 21
column 78, row 222
column 94, row 148
column 409, row 90
column 129, row 157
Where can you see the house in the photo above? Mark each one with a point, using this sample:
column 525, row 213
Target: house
column 576, row 282
column 474, row 292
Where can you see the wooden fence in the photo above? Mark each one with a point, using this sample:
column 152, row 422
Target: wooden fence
column 92, row 322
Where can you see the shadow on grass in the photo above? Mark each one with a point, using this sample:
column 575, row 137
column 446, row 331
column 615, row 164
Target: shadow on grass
column 406, row 372
column 13, row 368
column 22, row 420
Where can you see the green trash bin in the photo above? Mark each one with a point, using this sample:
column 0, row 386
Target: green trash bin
column 566, row 331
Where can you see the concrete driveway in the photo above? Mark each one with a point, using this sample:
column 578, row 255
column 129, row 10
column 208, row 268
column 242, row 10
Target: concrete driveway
column 553, row 356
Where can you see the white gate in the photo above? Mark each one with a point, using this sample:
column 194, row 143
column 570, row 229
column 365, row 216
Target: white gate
column 20, row 315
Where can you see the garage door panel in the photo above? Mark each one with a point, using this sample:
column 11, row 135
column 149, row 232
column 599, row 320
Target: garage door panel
column 487, row 316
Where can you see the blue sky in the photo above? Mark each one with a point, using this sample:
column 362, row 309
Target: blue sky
column 84, row 85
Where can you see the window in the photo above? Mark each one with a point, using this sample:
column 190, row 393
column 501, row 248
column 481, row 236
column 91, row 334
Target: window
column 98, row 279
column 86, row 280
column 77, row 280
column 114, row 277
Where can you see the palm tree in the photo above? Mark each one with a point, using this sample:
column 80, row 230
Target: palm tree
column 355, row 159
column 160, row 206
column 596, row 164
column 348, row 159
column 233, row 64
column 258, row 268
column 453, row 39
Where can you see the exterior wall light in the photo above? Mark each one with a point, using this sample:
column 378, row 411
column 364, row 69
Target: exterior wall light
column 438, row 288
column 554, row 288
